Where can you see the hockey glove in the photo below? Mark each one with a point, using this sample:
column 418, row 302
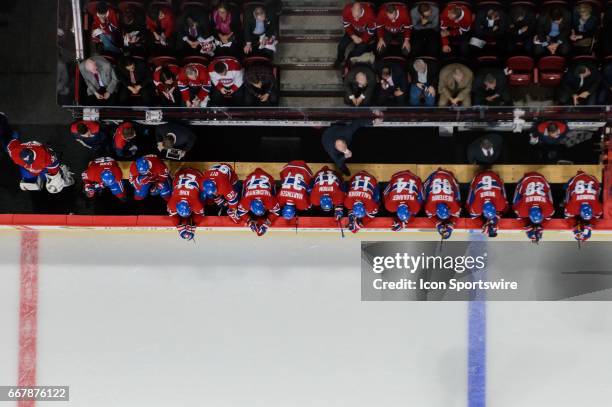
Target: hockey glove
column 90, row 191
column 251, row 223
column 186, row 228
column 339, row 212
column 231, row 212
column 398, row 226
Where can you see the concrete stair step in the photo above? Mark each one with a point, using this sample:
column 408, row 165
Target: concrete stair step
column 311, row 36
column 312, row 7
column 293, row 51
column 309, row 22
column 296, row 101
column 307, row 64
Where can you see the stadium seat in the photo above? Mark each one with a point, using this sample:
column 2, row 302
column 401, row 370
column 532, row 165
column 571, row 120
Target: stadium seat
column 522, row 70
column 196, row 59
column 192, row 3
column 137, row 5
column 395, row 59
column 162, row 60
column 488, row 60
column 255, row 59
column 550, row 70
column 585, row 59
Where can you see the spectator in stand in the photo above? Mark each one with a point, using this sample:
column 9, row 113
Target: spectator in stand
column 166, row 85
column 553, row 32
column 491, row 88
column 161, row 24
column 550, row 137
column 605, row 94
column 101, row 80
column 89, row 134
column 194, row 85
column 485, row 150
column 261, row 86
column 490, row 29
column 424, row 78
column 425, row 38
column 226, row 29
column 133, row 31
column 521, row 29
column 392, row 86
column 195, row 35
column 226, row 77
column 359, row 23
column 606, row 34
column 260, row 33
column 105, row 32
column 585, row 24
column 359, row 86
column 174, row 141
column 393, row 28
column 580, row 86
column 455, row 24
column 124, row 140
column 136, row 83
column 455, row 86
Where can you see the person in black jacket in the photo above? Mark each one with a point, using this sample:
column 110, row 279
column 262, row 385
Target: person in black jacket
column 259, row 23
column 133, row 31
column 338, row 138
column 605, row 94
column 491, row 88
column 359, row 86
column 392, row 86
column 136, row 82
column 485, row 150
column 195, row 33
column 490, row 26
column 521, row 29
column 174, row 141
column 580, row 86
column 553, row 32
column 585, row 24
column 261, row 88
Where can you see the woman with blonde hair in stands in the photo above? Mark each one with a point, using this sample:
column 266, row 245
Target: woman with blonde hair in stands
column 584, row 28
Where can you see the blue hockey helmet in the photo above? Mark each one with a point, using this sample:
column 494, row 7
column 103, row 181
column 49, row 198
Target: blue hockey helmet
column 27, row 155
column 586, row 211
column 359, row 210
column 489, row 210
column 210, row 188
column 535, row 215
column 143, row 166
column 257, row 207
column 403, row 213
column 289, row 211
column 108, row 178
column 327, row 204
column 442, row 211
column 183, row 209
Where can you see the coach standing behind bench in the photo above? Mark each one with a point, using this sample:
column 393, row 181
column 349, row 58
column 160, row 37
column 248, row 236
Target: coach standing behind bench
column 337, row 139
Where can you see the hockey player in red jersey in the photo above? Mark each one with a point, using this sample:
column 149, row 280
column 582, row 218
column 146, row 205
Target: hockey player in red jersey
column 443, row 200
column 293, row 195
column 185, row 205
column 259, row 199
column 101, row 173
column 220, row 184
column 533, row 203
column 150, row 176
column 327, row 192
column 487, row 199
column 582, row 203
column 362, row 199
column 403, row 196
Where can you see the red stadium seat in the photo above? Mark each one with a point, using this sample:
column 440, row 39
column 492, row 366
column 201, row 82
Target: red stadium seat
column 256, row 59
column 522, row 70
column 162, row 60
column 196, row 59
column 192, row 3
column 395, row 59
column 550, row 70
column 136, row 5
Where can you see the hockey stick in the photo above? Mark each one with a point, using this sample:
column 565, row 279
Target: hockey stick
column 297, row 221
column 341, row 229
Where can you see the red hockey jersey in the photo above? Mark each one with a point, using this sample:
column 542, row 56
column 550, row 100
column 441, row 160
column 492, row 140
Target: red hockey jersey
column 225, row 179
column 232, row 79
column 363, row 187
column 296, row 178
column 457, row 27
column 533, row 190
column 364, row 26
column 158, row 173
column 327, row 182
column 486, row 186
column 582, row 188
column 166, row 25
column 93, row 174
column 404, row 188
column 110, row 25
column 442, row 187
column 186, row 187
column 44, row 157
column 201, row 84
column 401, row 22
column 258, row 185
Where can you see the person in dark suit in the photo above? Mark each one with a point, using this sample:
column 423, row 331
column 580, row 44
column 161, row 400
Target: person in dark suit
column 133, row 31
column 136, row 82
column 392, row 86
column 580, row 85
column 261, row 87
column 605, row 94
column 424, row 82
column 606, row 33
column 359, row 86
column 549, row 137
column 553, row 32
column 521, row 29
column 195, row 33
column 491, row 26
column 337, row 139
column 485, row 150
column 491, row 88
column 257, row 23
column 174, row 141
column 585, row 24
